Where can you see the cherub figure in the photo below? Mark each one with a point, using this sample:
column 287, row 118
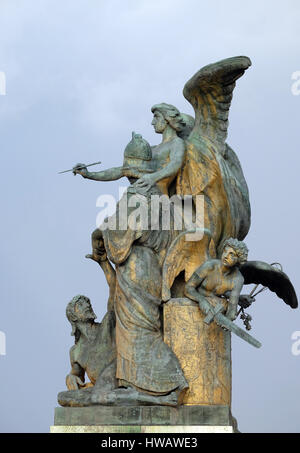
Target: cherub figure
column 220, row 280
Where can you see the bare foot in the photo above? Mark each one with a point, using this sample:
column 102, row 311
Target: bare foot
column 75, row 398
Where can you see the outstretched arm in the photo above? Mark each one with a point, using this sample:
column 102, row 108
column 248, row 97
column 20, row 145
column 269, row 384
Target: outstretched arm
column 110, row 174
column 110, row 275
column 100, row 256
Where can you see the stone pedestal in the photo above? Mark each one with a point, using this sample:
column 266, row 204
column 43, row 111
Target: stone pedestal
column 204, row 352
column 143, row 419
column 141, row 429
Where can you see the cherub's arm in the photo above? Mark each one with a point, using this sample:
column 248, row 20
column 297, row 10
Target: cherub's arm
column 234, row 298
column 110, row 275
column 75, row 379
column 171, row 169
column 193, row 287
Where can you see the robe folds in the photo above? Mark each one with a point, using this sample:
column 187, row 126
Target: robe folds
column 144, row 361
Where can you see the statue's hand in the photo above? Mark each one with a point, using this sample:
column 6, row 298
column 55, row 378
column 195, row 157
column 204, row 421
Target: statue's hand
column 145, row 182
column 245, row 300
column 204, row 307
column 74, row 382
column 99, row 255
column 80, row 169
column 231, row 312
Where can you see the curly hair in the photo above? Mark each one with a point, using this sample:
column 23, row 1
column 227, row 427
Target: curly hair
column 71, row 315
column 70, row 310
column 171, row 114
column 239, row 247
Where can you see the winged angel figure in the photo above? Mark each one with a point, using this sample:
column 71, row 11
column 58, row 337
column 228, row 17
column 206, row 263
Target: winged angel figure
column 192, row 160
column 153, row 265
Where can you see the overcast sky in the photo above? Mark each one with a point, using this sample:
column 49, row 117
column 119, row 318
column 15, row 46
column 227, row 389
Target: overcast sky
column 80, row 76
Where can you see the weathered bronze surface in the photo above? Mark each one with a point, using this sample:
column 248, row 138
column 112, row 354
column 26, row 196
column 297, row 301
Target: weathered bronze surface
column 204, row 353
column 174, row 292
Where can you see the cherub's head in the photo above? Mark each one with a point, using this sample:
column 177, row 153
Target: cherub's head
column 167, row 114
column 234, row 253
column 79, row 309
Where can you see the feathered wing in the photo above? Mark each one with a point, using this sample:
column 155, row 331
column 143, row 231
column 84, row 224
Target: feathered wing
column 277, row 281
column 211, row 167
column 210, row 92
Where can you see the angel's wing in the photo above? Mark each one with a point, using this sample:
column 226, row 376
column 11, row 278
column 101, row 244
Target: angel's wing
column 210, row 93
column 267, row 275
column 211, row 167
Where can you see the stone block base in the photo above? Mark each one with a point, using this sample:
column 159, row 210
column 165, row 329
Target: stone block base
column 143, row 419
column 141, row 429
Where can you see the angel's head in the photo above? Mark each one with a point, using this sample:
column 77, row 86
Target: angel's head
column 167, row 114
column 234, row 253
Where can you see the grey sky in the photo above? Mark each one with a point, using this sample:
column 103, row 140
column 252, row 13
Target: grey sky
column 81, row 75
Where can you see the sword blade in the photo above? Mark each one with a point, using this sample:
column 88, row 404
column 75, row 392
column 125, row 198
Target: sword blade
column 225, row 322
column 79, row 168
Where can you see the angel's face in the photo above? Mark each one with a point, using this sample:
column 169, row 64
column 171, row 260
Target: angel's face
column 159, row 122
column 229, row 257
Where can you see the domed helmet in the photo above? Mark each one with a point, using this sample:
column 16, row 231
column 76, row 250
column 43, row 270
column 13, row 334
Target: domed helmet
column 138, row 154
